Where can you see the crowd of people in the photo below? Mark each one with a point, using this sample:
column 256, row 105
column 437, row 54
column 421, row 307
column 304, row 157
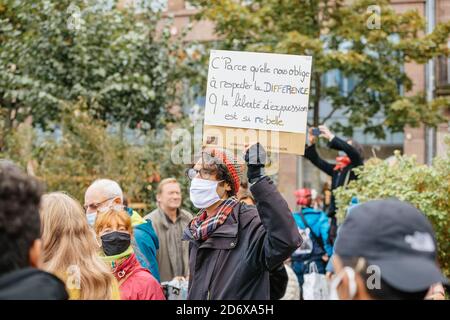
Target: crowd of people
column 244, row 243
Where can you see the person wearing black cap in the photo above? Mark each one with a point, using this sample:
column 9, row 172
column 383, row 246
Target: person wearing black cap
column 385, row 250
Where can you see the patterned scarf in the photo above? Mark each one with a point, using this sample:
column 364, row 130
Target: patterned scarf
column 202, row 226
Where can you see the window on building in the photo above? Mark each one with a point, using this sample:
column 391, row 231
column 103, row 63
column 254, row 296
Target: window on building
column 106, row 5
column 189, row 6
column 155, row 5
column 443, row 72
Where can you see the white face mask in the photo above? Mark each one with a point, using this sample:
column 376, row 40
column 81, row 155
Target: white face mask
column 203, row 193
column 337, row 281
column 91, row 218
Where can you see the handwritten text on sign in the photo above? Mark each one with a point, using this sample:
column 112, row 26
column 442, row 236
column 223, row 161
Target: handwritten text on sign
column 258, row 90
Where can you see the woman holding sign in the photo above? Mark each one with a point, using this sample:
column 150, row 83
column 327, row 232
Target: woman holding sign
column 233, row 247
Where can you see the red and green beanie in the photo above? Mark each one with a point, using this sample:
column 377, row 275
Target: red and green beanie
column 235, row 168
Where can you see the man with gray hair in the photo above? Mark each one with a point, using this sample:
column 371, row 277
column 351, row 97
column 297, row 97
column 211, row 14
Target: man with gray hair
column 104, row 194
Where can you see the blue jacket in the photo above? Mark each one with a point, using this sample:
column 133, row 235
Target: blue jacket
column 147, row 243
column 318, row 221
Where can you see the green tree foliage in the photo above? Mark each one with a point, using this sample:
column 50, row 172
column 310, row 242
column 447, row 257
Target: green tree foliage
column 342, row 37
column 56, row 51
column 85, row 149
column 427, row 188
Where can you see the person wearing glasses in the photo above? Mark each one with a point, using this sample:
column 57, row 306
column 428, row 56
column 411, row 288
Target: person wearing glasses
column 233, row 246
column 103, row 195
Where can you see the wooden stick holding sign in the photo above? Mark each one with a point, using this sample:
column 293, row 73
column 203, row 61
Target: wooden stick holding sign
column 257, row 97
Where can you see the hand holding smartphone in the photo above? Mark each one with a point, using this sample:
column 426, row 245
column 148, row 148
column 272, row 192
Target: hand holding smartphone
column 316, row 132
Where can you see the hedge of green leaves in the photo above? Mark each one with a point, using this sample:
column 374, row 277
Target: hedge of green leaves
column 426, row 187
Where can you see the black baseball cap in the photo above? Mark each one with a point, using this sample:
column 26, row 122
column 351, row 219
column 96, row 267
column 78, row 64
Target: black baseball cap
column 396, row 237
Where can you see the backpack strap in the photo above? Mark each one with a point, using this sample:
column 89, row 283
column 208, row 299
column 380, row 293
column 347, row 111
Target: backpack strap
column 347, row 178
column 316, row 238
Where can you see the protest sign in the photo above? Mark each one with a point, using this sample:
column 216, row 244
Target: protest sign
column 257, row 97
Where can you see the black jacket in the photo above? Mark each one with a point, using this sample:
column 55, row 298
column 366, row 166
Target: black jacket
column 278, row 282
column 338, row 177
column 31, row 284
column 234, row 262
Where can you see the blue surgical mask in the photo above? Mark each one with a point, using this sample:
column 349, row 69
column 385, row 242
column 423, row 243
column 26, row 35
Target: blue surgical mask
column 91, row 218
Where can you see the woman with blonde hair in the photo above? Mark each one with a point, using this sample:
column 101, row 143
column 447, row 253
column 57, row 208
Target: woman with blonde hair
column 115, row 232
column 70, row 250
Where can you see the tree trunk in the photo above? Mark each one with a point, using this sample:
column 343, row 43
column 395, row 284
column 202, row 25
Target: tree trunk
column 121, row 131
column 317, row 84
column 7, row 125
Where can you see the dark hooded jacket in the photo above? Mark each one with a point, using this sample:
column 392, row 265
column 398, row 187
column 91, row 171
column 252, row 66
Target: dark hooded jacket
column 235, row 261
column 31, row 284
column 338, row 177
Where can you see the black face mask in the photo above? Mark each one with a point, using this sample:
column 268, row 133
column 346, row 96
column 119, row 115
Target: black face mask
column 115, row 242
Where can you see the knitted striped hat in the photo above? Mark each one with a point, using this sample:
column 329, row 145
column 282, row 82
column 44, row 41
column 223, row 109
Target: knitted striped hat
column 235, row 168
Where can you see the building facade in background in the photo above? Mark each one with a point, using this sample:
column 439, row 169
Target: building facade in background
column 294, row 171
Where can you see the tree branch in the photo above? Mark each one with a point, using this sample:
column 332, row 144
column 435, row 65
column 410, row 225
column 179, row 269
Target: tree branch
column 317, row 96
column 357, row 86
column 347, row 97
column 329, row 115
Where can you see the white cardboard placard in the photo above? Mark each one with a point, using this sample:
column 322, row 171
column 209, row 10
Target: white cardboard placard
column 262, row 91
